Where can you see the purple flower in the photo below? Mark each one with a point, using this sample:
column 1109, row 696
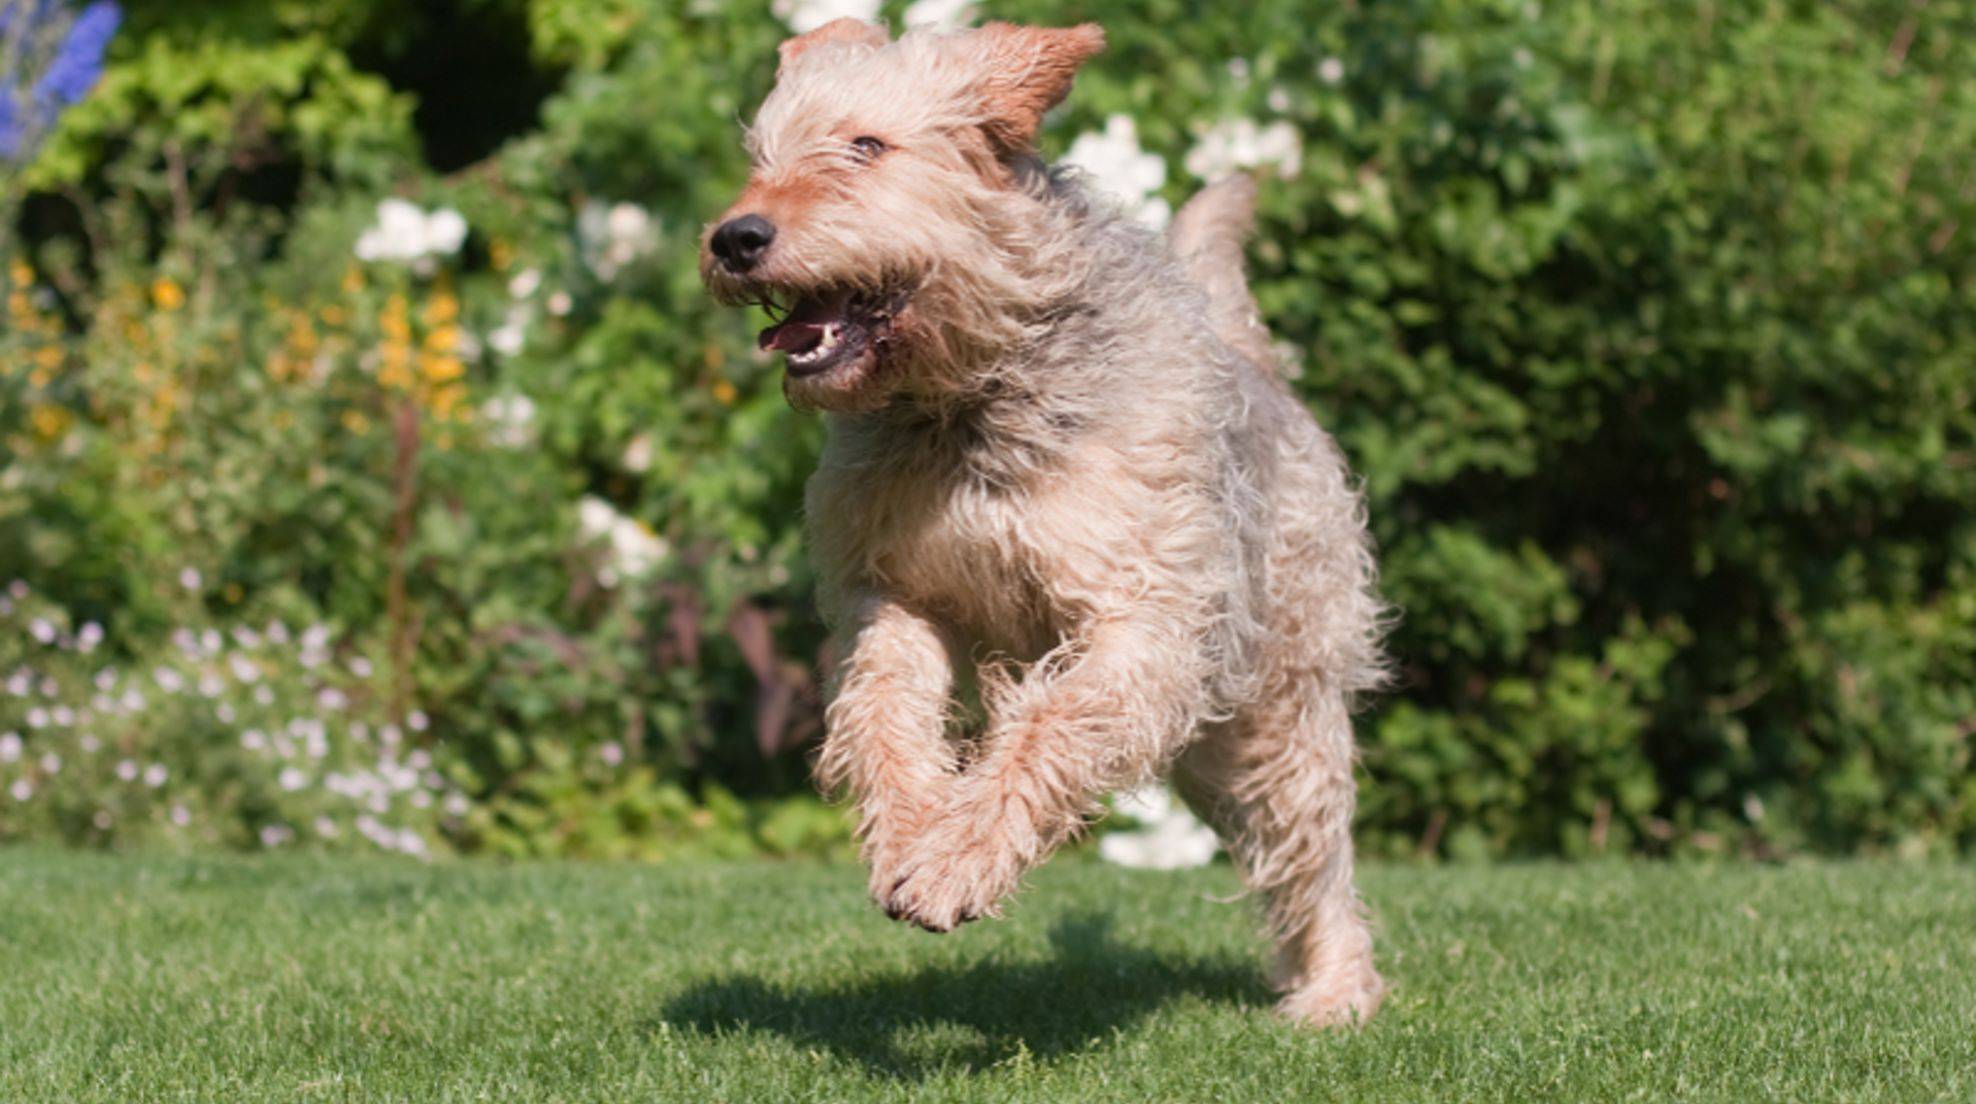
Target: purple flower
column 79, row 61
column 39, row 82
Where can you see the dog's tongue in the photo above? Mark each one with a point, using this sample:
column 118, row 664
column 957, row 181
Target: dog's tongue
column 803, row 329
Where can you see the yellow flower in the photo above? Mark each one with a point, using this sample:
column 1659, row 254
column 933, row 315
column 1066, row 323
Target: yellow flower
column 166, row 294
column 442, row 308
column 500, row 254
column 21, row 273
column 446, row 400
column 50, row 422
column 442, row 369
column 725, row 393
column 353, row 280
column 334, row 316
column 395, row 321
column 355, row 422
column 443, row 340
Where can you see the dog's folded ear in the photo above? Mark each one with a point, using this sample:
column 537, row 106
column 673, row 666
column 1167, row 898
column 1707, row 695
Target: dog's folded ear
column 846, row 31
column 1026, row 71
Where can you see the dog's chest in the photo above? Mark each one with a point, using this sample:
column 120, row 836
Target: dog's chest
column 937, row 535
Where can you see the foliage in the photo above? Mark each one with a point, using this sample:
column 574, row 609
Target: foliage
column 1648, row 327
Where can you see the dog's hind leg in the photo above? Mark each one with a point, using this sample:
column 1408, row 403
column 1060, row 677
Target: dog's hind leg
column 1276, row 783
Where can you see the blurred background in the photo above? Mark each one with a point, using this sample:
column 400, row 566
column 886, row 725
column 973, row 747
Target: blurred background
column 375, row 474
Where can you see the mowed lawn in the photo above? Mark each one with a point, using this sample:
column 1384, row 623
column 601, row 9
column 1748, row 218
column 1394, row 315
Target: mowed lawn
column 305, row 979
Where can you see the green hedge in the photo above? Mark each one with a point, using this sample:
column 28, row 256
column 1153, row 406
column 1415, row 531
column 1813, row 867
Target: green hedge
column 1649, row 326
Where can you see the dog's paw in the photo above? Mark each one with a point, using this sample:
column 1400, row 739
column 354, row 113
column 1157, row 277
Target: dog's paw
column 1347, row 1000
column 941, row 888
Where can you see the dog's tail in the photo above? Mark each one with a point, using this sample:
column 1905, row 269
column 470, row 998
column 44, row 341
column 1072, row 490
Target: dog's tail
column 1207, row 236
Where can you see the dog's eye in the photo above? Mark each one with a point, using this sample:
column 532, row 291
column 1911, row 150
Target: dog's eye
column 868, row 148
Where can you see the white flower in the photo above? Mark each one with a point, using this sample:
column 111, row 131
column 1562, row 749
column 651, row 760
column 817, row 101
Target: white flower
column 560, row 303
column 20, row 683
column 277, row 633
column 224, row 713
column 42, row 630
column 456, row 805
column 253, row 739
column 291, row 779
column 211, row 685
column 264, row 694
column 635, row 549
column 274, row 835
column 418, row 722
column 360, row 667
column 1116, row 167
column 155, row 775
column 127, row 770
column 1171, row 838
column 63, row 716
column 246, row 637
column 804, row 16
column 1331, row 70
column 106, row 679
column 51, row 763
column 614, row 236
column 525, row 283
column 943, row 15
column 406, row 233
column 88, row 743
column 21, row 790
column 168, row 680
column 10, row 747
column 325, row 827
column 132, row 700
column 330, row 699
column 1240, row 144
column 243, row 668
column 510, row 420
column 190, row 579
column 181, row 815
column 37, row 717
column 637, row 458
column 611, row 754
column 511, row 336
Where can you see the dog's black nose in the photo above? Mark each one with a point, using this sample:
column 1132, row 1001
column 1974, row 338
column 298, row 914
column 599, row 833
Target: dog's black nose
column 740, row 243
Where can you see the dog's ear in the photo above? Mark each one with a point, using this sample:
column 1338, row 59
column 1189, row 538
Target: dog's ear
column 845, row 31
column 1026, row 71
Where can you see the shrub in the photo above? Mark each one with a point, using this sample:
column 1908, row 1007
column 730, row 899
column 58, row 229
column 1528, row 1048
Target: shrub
column 1647, row 327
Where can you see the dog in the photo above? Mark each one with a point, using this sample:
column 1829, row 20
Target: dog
column 1071, row 526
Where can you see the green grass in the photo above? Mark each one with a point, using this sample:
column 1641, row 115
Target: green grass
column 234, row 979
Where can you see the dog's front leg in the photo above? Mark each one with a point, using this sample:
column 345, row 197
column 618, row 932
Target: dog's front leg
column 1105, row 709
column 885, row 742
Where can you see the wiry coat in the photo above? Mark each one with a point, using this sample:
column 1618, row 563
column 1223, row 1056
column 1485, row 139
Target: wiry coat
column 1077, row 484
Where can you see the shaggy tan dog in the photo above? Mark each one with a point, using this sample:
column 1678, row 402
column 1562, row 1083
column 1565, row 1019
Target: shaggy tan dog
column 1064, row 483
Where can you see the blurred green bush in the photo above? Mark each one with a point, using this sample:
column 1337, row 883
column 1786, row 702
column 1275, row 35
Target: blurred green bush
column 1649, row 326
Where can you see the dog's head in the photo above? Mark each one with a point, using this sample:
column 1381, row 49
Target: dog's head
column 889, row 222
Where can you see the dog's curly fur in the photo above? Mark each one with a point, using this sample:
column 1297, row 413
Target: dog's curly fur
column 1064, row 477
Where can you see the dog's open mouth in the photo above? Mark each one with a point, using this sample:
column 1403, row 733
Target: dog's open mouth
column 824, row 330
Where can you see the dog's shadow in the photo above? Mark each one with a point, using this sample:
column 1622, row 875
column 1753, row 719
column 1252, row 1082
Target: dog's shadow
column 908, row 1025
